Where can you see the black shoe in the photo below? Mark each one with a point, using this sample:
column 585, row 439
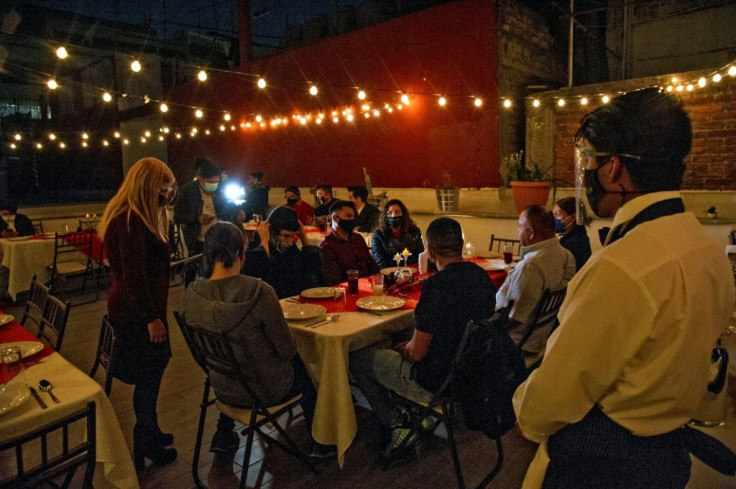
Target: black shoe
column 320, row 451
column 164, row 439
column 146, row 446
column 225, row 442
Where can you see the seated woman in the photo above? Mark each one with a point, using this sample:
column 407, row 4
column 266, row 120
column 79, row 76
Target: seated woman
column 247, row 311
column 395, row 233
column 278, row 261
column 574, row 237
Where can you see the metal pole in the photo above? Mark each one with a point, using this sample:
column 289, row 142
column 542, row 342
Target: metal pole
column 624, row 50
column 570, row 44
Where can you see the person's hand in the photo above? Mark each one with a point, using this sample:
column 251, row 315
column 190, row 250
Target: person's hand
column 156, row 331
column 423, row 262
column 264, row 231
column 400, row 346
column 205, row 219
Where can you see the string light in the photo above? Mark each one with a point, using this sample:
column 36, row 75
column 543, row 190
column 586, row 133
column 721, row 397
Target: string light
column 442, row 101
column 202, row 75
column 261, row 83
column 106, row 97
column 313, row 90
column 135, row 66
column 478, row 102
column 61, row 52
column 583, row 101
column 536, row 103
column 361, row 95
column 198, row 113
column 164, row 108
column 507, row 103
column 405, row 99
column 52, row 84
column 717, row 77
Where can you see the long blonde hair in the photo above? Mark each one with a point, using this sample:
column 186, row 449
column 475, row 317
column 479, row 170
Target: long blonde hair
column 139, row 193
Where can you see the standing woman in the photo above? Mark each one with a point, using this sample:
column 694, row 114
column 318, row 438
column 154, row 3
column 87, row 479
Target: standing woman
column 134, row 230
column 395, row 233
column 574, row 237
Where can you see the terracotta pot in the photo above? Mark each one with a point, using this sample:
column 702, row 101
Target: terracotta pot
column 529, row 193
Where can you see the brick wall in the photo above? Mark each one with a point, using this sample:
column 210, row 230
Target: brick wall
column 712, row 162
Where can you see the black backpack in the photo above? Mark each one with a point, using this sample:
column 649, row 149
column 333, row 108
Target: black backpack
column 488, row 369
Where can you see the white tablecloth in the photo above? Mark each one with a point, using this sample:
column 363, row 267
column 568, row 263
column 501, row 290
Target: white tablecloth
column 324, row 350
column 25, row 259
column 75, row 389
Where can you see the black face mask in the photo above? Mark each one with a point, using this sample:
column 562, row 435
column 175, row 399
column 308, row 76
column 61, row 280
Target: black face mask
column 395, row 221
column 322, row 200
column 347, row 225
column 292, row 201
column 595, row 192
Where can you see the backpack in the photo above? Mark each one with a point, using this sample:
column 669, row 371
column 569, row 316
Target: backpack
column 488, row 369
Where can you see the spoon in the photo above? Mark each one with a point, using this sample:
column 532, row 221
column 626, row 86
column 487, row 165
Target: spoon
column 46, row 386
column 327, row 320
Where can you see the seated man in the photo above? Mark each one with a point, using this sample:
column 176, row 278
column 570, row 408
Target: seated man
column 294, row 201
column 366, row 215
column 342, row 249
column 324, row 194
column 248, row 312
column 278, row 261
column 11, row 226
column 459, row 292
column 544, row 264
column 256, row 199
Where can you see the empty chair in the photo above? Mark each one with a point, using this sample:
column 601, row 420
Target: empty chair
column 44, row 457
column 37, row 226
column 53, row 322
column 497, row 244
column 543, row 317
column 73, row 258
column 214, row 353
column 105, row 353
column 37, row 295
column 88, row 223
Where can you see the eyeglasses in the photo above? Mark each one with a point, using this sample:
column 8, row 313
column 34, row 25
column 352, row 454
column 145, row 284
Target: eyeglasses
column 588, row 153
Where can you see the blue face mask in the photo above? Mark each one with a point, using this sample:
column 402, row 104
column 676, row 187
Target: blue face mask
column 559, row 227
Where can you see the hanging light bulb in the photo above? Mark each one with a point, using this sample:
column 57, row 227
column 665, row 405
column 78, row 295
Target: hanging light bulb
column 350, row 118
column 536, row 103
column 680, row 88
column 52, row 84
column 13, row 146
column 135, row 66
column 62, row 144
column 117, row 135
column 732, row 70
column 17, row 137
column 105, row 143
column 606, row 99
column 198, row 113
column 702, row 81
column 361, row 95
column 561, row 102
column 202, row 75
column 39, row 146
column 106, row 97
column 261, row 83
column 147, row 134
column 405, row 99
column 583, row 101
column 507, row 103
column 478, row 102
column 689, row 87
column 313, row 90
column 227, row 117
column 442, row 101
column 61, row 52
column 164, row 108
column 259, row 119
column 84, row 144
column 717, row 77
column 126, row 142
column 52, row 136
column 85, row 135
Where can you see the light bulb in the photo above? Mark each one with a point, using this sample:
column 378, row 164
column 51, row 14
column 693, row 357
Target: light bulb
column 583, row 101
column 313, row 90
column 147, row 134
column 227, row 117
column 442, row 101
column 198, row 113
column 84, row 144
column 135, row 66
column 732, row 70
column 85, row 135
column 478, row 102
column 39, row 145
column 126, row 142
column 106, row 97
column 62, row 53
column 261, row 83
column 606, row 99
column 105, row 143
column 561, row 102
column 350, row 118
column 202, row 75
column 702, row 81
column 13, row 146
column 536, row 103
column 164, row 108
column 259, row 119
column 717, row 77
column 117, row 135
column 62, row 145
column 52, row 84
column 52, row 136
column 361, row 95
column 18, row 137
column 507, row 103
column 405, row 99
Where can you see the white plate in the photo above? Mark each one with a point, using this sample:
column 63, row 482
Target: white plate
column 12, row 396
column 319, row 293
column 5, row 319
column 27, row 348
column 389, row 270
column 380, row 303
column 299, row 312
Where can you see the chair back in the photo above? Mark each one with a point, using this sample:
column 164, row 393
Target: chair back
column 67, row 248
column 190, row 342
column 177, row 243
column 36, row 304
column 53, row 322
column 105, row 352
column 178, row 269
column 58, row 460
column 37, row 226
column 497, row 244
column 544, row 314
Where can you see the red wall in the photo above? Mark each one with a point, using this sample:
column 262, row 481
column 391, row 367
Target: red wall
column 449, row 49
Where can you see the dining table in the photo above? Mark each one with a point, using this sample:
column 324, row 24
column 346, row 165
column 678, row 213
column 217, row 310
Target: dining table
column 27, row 256
column 325, row 348
column 74, row 389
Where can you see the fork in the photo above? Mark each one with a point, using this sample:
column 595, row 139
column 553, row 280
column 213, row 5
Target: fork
column 330, row 319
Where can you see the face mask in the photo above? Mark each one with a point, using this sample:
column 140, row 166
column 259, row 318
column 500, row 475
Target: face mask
column 9, row 218
column 347, row 225
column 593, row 189
column 322, row 200
column 395, row 221
column 210, row 188
column 559, row 225
column 292, row 201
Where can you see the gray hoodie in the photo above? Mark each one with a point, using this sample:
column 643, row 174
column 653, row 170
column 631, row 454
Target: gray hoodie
column 248, row 312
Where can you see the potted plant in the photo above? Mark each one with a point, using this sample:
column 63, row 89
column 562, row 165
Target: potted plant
column 711, row 213
column 529, row 180
column 379, row 200
column 448, row 195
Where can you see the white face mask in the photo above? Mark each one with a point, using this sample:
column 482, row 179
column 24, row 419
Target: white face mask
column 9, row 218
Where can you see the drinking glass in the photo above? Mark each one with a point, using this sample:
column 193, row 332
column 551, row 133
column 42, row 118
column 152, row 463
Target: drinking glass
column 508, row 254
column 377, row 284
column 340, row 299
column 469, row 250
column 12, row 366
column 257, row 218
column 353, row 282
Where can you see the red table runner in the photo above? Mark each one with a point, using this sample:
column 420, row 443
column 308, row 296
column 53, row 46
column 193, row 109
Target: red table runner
column 13, row 331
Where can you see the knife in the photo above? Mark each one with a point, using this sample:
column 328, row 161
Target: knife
column 38, row 398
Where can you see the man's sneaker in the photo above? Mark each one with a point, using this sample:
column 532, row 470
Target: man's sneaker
column 225, row 442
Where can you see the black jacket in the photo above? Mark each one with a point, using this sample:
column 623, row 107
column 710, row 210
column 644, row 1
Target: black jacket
column 384, row 245
column 23, row 225
column 367, row 220
column 188, row 207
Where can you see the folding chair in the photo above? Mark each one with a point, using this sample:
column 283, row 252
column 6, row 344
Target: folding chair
column 543, row 316
column 58, row 461
column 178, row 269
column 87, row 224
column 73, row 258
column 213, row 352
column 177, row 243
column 505, row 361
column 497, row 244
column 37, row 226
column 53, row 322
column 105, row 353
column 102, row 269
column 36, row 304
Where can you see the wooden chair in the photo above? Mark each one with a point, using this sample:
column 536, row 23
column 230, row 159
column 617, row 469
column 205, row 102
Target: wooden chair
column 73, row 259
column 497, row 244
column 53, row 323
column 36, row 304
column 214, row 353
column 542, row 317
column 58, row 461
column 105, row 353
column 37, row 226
column 178, row 269
column 102, row 269
column 88, row 223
